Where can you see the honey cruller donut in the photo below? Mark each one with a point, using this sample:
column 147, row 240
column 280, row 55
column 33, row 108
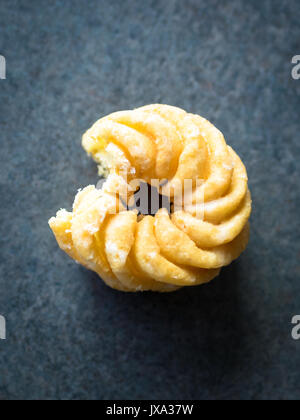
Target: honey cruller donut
column 132, row 252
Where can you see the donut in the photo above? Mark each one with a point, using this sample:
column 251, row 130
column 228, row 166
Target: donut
column 186, row 245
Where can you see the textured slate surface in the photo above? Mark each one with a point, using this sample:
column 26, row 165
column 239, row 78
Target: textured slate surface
column 70, row 62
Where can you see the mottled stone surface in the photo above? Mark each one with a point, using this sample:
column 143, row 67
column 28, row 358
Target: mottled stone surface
column 70, row 62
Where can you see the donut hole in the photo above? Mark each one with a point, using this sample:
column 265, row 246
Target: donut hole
column 147, row 201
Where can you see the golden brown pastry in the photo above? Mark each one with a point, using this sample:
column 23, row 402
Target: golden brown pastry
column 163, row 145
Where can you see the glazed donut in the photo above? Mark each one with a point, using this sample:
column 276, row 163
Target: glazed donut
column 162, row 146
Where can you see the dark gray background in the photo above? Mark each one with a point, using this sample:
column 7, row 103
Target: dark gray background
column 71, row 62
